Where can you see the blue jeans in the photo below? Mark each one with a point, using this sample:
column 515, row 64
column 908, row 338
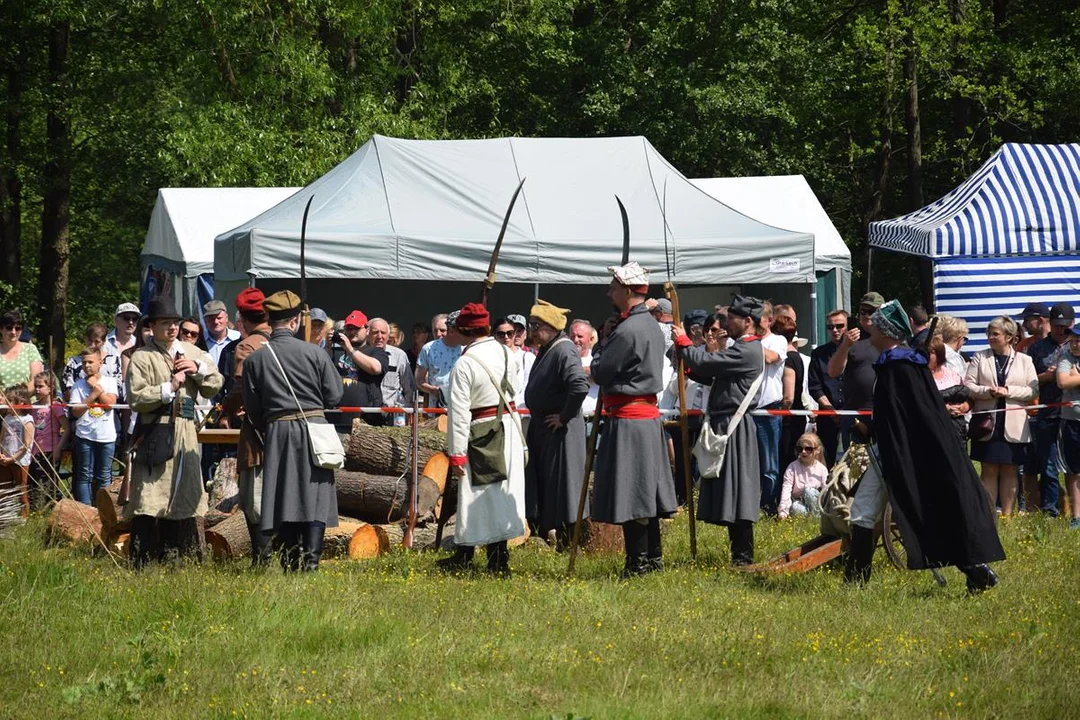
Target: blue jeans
column 1043, row 461
column 768, row 437
column 93, row 468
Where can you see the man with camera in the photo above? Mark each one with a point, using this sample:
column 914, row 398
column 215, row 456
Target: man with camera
column 361, row 367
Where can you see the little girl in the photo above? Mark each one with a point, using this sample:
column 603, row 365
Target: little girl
column 16, row 439
column 52, row 431
column 804, row 479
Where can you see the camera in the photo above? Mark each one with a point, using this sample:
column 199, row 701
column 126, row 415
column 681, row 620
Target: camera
column 338, row 338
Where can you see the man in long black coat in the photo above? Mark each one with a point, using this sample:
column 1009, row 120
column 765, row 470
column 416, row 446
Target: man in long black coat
column 937, row 497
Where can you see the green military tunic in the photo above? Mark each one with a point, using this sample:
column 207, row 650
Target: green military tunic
column 173, row 490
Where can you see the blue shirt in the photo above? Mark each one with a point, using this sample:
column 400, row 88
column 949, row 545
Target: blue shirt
column 438, row 360
column 1044, row 354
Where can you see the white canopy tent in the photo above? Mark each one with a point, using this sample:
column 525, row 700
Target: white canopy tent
column 179, row 245
column 787, row 201
column 419, row 210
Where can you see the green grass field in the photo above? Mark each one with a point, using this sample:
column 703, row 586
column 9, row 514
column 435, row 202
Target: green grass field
column 392, row 638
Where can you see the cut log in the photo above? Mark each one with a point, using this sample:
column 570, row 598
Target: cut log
column 215, row 517
column 230, row 538
column 112, row 522
column 336, row 540
column 224, row 492
column 368, row 541
column 385, row 450
column 598, row 537
column 120, row 544
column 73, row 523
column 520, row 540
column 383, row 498
column 423, row 535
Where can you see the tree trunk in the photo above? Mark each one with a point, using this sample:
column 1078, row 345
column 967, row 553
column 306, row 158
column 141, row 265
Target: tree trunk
column 385, row 450
column 423, row 536
column 56, row 213
column 336, row 540
column 914, row 185
column 10, row 183
column 230, row 538
column 73, row 523
column 383, row 498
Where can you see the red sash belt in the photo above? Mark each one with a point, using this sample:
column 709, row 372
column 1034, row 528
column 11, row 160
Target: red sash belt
column 484, row 413
column 631, row 407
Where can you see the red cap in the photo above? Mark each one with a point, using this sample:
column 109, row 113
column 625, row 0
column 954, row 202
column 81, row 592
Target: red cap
column 356, row 319
column 250, row 300
column 473, row 315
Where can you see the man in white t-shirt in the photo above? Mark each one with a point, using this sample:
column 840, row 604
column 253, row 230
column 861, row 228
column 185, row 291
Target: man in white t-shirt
column 95, row 428
column 525, row 354
column 770, row 397
column 581, row 334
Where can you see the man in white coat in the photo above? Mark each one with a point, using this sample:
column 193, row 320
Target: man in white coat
column 486, row 446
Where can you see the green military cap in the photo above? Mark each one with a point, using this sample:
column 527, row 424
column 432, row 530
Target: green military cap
column 282, row 305
column 873, row 299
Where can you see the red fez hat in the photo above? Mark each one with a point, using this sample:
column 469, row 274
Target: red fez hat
column 356, row 319
column 250, row 300
column 473, row 315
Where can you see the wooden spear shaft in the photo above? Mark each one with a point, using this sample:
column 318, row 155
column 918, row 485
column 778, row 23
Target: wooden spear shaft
column 684, row 427
column 590, row 455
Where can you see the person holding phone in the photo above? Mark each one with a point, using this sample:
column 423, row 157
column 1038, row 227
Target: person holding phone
column 853, row 365
column 824, row 388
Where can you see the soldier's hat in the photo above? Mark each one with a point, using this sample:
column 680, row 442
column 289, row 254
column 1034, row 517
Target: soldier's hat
column 282, row 305
column 161, row 308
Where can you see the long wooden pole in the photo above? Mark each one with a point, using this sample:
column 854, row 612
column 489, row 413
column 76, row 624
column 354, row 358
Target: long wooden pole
column 684, row 427
column 590, row 455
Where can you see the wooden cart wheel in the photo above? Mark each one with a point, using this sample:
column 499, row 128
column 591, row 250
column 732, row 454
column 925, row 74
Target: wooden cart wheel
column 892, row 539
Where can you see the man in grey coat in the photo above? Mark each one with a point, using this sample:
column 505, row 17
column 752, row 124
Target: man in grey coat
column 633, row 485
column 733, row 498
column 299, row 500
column 556, row 436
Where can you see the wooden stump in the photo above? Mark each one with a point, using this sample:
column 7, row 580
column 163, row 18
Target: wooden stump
column 520, row 540
column 336, row 540
column 229, row 538
column 385, row 450
column 423, row 535
column 112, row 523
column 73, row 523
column 368, row 541
column 597, row 537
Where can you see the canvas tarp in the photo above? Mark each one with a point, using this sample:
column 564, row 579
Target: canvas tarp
column 431, row 210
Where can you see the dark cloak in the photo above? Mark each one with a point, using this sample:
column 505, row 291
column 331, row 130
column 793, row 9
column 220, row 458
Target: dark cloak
column 938, row 499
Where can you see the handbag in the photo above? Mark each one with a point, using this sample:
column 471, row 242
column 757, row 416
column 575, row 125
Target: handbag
column 486, row 451
column 327, row 451
column 710, row 447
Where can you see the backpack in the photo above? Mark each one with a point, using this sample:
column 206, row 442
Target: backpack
column 839, row 491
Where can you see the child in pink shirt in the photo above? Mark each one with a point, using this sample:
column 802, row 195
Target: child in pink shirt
column 804, row 479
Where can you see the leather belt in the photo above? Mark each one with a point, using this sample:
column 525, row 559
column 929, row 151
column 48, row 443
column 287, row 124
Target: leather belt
column 295, row 415
column 484, row 413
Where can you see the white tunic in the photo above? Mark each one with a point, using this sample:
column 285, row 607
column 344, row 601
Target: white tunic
column 496, row 511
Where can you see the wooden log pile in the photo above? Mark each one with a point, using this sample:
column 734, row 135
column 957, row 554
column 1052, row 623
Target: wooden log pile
column 385, row 450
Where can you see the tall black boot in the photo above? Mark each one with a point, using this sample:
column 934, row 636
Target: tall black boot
column 655, row 553
column 145, row 545
column 460, row 561
column 979, row 578
column 498, row 559
column 741, row 538
column 313, row 546
column 860, row 556
column 636, row 540
column 261, row 548
column 288, row 542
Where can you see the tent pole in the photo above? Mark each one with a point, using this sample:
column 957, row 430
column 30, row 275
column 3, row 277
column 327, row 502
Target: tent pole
column 536, row 292
column 813, row 314
column 869, row 269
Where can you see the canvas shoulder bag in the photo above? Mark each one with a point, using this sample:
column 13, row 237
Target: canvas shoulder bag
column 487, row 438
column 326, row 449
column 710, row 447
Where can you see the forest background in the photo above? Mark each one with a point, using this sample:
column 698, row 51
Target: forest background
column 883, row 105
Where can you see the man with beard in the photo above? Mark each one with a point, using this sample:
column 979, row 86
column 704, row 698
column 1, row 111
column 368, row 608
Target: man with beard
column 633, row 485
column 937, row 497
column 556, row 435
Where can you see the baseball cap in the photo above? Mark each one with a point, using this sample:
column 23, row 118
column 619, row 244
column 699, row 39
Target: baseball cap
column 518, row 320
column 873, row 299
column 213, row 308
column 127, row 309
column 1062, row 313
column 319, row 315
column 663, row 306
column 1035, row 309
column 356, row 319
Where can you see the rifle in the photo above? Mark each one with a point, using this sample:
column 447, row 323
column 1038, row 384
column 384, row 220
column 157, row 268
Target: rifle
column 414, row 450
column 594, row 434
column 684, row 424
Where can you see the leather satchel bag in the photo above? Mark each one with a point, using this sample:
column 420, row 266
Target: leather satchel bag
column 710, row 448
column 327, row 451
column 486, row 452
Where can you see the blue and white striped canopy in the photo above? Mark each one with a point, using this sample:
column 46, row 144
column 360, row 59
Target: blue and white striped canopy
column 980, row 289
column 1025, row 200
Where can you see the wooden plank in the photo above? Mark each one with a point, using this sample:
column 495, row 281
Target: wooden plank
column 216, row 436
column 805, row 557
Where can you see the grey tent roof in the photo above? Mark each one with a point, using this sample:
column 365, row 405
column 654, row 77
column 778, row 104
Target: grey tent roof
column 431, row 210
